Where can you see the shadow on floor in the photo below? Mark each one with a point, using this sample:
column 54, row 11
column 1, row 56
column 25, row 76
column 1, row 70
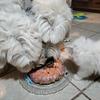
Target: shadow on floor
column 9, row 72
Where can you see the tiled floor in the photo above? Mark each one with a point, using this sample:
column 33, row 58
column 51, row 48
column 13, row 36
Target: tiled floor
column 10, row 88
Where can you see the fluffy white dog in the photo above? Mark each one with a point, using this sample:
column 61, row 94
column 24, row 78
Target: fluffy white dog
column 86, row 55
column 19, row 43
column 54, row 18
column 24, row 24
column 53, row 23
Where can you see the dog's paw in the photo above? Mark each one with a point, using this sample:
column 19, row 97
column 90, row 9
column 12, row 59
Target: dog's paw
column 77, row 78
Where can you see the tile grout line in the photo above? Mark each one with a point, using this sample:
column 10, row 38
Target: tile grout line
column 81, row 92
column 87, row 96
column 79, row 95
column 94, row 35
column 90, row 84
column 76, row 96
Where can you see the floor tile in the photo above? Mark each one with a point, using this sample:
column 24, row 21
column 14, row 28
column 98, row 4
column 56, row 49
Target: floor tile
column 82, row 84
column 95, row 27
column 81, row 97
column 94, row 91
column 10, row 89
column 77, row 32
column 69, row 92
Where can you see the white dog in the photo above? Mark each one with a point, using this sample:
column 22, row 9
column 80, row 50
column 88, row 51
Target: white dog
column 52, row 20
column 19, row 43
column 86, row 55
column 53, row 24
column 21, row 34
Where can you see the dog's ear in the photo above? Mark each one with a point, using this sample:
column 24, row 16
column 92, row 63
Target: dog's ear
column 71, row 66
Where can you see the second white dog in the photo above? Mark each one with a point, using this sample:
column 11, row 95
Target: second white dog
column 86, row 54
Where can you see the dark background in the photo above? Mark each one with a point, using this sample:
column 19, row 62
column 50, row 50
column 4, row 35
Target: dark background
column 86, row 5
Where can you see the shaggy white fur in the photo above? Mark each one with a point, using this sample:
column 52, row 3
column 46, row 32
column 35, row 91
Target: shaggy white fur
column 54, row 23
column 19, row 43
column 86, row 54
column 53, row 19
column 21, row 35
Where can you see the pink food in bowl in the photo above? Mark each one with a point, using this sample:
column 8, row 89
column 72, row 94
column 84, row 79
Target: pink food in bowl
column 47, row 74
